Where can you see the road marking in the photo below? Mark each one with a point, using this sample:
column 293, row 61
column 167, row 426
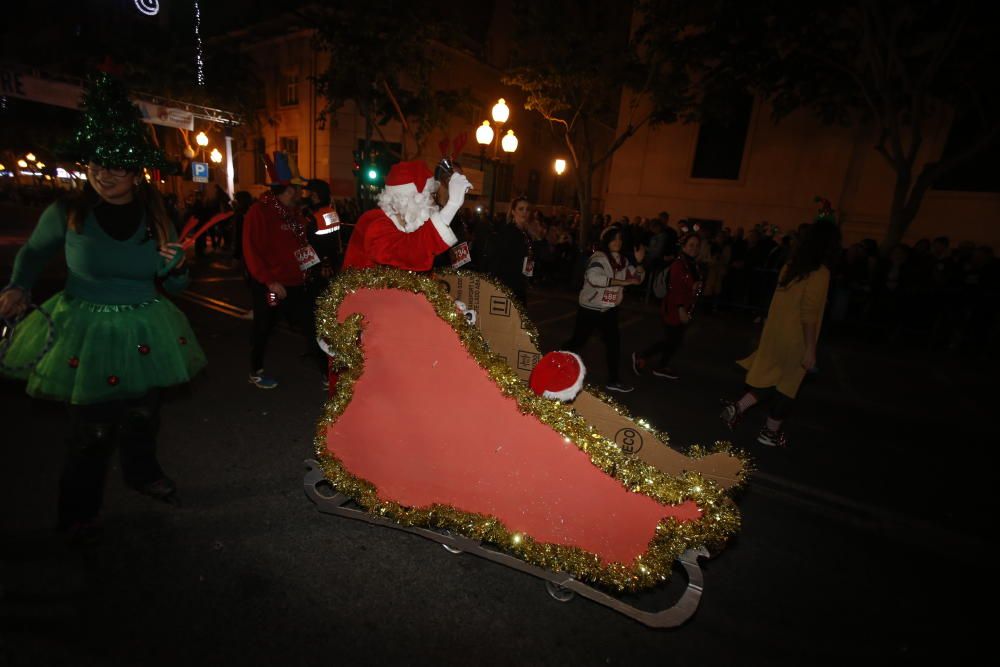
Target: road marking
column 219, row 279
column 214, row 304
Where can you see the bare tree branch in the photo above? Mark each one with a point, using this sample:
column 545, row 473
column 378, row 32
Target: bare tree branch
column 616, row 144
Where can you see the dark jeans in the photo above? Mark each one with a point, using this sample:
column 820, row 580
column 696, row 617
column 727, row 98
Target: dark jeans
column 667, row 346
column 298, row 309
column 95, row 431
column 587, row 321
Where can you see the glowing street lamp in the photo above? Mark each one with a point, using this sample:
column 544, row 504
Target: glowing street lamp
column 501, row 112
column 202, row 140
column 40, row 165
column 560, row 167
column 23, row 164
column 216, row 156
column 484, row 134
column 509, row 142
column 30, row 157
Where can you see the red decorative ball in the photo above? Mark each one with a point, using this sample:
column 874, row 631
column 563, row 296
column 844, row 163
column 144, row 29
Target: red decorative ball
column 73, row 362
column 143, row 350
column 182, row 340
column 113, row 380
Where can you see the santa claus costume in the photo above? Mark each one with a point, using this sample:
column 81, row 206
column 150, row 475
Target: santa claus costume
column 408, row 229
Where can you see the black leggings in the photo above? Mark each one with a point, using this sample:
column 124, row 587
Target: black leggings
column 781, row 405
column 667, row 346
column 587, row 321
column 96, row 430
column 298, row 308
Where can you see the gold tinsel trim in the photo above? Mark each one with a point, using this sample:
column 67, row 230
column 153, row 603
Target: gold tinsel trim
column 720, row 517
column 695, row 451
column 526, row 324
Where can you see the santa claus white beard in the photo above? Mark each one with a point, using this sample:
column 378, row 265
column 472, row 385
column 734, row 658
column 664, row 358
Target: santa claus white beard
column 409, row 210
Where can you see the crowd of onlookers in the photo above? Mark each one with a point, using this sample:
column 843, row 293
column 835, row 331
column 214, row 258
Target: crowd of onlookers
column 934, row 292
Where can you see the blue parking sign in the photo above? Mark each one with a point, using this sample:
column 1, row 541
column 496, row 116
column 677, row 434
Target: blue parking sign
column 199, row 172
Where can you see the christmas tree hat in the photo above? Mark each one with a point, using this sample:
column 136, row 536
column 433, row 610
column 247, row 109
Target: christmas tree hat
column 112, row 133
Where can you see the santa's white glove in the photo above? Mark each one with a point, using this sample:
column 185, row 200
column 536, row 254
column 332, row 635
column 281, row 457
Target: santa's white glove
column 457, row 186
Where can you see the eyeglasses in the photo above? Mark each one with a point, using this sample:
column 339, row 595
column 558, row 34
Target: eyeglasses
column 117, row 173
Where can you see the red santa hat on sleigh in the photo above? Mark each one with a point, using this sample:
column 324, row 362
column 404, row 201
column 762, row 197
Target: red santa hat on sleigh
column 408, row 198
column 558, row 375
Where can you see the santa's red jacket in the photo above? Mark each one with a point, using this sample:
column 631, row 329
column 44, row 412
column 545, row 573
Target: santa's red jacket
column 269, row 244
column 376, row 241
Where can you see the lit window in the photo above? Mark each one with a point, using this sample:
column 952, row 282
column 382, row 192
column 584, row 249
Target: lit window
column 290, row 145
column 721, row 142
column 290, row 90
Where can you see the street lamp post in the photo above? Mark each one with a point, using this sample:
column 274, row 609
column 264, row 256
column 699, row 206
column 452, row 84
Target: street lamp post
column 485, row 135
column 202, row 140
column 559, row 166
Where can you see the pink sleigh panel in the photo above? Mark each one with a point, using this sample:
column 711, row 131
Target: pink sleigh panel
column 426, row 425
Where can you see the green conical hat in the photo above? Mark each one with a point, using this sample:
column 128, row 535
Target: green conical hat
column 112, row 133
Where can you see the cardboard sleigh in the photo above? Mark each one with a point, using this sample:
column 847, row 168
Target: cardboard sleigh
column 431, row 430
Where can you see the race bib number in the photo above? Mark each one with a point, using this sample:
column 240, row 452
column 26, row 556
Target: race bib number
column 528, row 268
column 611, row 296
column 332, row 221
column 306, row 257
column 460, row 255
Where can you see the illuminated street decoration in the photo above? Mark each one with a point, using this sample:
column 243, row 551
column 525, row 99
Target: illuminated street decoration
column 148, row 7
column 199, row 62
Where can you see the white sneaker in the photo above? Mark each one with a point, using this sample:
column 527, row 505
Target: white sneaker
column 262, row 381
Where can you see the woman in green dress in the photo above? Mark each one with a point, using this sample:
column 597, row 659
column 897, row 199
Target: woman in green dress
column 114, row 341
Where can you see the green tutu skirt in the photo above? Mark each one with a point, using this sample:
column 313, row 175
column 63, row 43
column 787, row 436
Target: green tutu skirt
column 102, row 352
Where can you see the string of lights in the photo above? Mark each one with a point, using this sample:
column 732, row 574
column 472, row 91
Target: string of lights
column 199, row 62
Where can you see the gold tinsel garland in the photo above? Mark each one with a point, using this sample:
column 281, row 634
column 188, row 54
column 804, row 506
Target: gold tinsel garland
column 720, row 517
column 694, row 451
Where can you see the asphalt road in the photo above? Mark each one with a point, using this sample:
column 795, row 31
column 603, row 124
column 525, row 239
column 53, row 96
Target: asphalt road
column 862, row 542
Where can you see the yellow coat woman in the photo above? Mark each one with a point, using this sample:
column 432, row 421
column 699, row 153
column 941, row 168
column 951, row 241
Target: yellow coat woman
column 796, row 311
column 787, row 349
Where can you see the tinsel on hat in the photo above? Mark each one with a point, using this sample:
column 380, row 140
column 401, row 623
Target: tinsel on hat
column 112, row 133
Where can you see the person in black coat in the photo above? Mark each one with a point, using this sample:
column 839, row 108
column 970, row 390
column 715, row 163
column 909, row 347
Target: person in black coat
column 508, row 252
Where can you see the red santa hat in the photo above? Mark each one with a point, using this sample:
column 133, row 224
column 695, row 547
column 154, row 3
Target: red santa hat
column 408, row 177
column 558, row 375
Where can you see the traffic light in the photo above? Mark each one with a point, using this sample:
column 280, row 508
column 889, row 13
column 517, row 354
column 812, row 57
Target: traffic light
column 356, row 167
column 372, row 173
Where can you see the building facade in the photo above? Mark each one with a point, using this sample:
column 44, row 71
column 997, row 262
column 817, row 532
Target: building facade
column 324, row 146
column 758, row 170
